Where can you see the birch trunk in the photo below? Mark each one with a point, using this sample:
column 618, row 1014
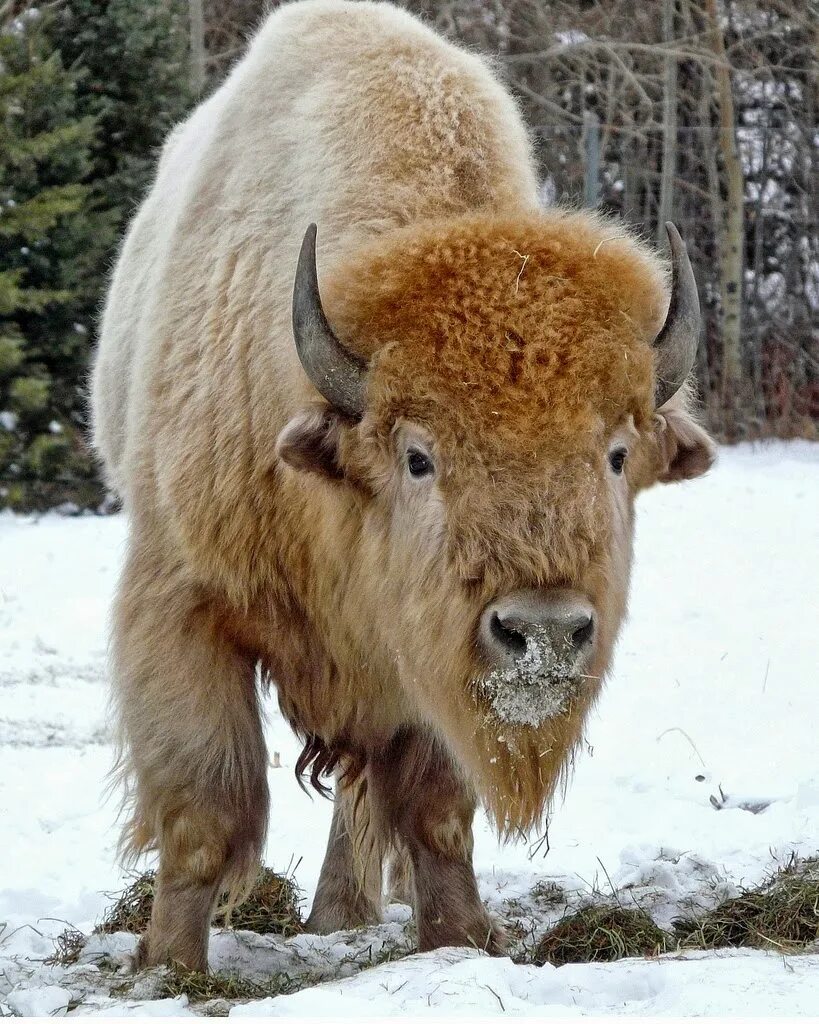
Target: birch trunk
column 196, row 24
column 733, row 229
column 668, row 173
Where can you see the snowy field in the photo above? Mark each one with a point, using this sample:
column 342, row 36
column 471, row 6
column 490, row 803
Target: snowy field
column 701, row 775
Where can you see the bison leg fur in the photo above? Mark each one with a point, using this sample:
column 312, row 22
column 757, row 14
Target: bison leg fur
column 193, row 756
column 400, row 887
column 429, row 809
column 349, row 888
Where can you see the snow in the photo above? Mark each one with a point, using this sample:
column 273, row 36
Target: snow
column 571, row 37
column 467, row 984
column 699, row 775
column 41, row 1001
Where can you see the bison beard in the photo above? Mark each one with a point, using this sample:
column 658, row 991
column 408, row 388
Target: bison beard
column 393, row 506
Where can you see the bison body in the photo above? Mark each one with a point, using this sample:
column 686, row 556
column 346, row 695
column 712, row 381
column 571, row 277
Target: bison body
column 412, row 505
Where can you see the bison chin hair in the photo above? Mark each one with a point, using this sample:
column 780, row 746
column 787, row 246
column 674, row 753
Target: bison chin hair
column 514, row 768
column 517, row 769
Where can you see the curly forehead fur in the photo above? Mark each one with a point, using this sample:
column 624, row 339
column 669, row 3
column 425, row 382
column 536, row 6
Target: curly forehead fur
column 526, row 331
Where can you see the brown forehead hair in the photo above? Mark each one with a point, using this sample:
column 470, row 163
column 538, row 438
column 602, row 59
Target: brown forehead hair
column 521, row 336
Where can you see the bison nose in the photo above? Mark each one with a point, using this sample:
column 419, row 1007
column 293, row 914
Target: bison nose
column 562, row 619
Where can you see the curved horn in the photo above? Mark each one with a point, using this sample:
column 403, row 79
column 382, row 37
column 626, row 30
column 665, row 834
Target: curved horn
column 336, row 374
column 676, row 344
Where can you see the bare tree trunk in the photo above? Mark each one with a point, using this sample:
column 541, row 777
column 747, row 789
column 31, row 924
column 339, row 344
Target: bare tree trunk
column 759, row 270
column 630, row 184
column 196, row 20
column 716, row 413
column 733, row 230
column 669, row 166
column 591, row 159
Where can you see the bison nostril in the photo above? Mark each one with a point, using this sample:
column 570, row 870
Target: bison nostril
column 583, row 633
column 524, row 629
column 508, row 638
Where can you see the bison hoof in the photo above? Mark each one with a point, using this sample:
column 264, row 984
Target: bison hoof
column 498, row 943
column 157, row 954
column 340, row 917
column 493, row 938
column 487, row 934
column 139, row 960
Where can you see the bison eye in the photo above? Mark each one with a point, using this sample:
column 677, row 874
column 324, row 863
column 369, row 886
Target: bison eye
column 419, row 464
column 617, row 459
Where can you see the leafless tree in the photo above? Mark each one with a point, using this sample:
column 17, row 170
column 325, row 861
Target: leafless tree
column 707, row 115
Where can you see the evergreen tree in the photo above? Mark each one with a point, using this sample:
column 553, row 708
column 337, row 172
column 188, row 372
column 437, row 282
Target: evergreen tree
column 135, row 86
column 88, row 93
column 50, row 241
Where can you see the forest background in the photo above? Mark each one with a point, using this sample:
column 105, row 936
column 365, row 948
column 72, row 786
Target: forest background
column 699, row 111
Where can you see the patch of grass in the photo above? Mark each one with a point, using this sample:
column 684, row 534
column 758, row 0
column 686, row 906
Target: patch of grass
column 272, row 906
column 781, row 913
column 131, row 909
column 600, row 932
column 198, row 987
column 217, row 986
column 389, row 953
column 67, row 948
column 548, row 894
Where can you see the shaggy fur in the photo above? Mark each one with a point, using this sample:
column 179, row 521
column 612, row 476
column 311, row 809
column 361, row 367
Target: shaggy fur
column 511, row 344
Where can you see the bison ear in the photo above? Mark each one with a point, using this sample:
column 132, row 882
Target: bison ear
column 686, row 451
column 310, row 442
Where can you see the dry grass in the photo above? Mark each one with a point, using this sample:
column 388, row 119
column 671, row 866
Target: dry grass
column 67, row 948
column 782, row 913
column 202, row 988
column 131, row 909
column 272, row 906
column 600, row 932
column 198, row 987
column 548, row 894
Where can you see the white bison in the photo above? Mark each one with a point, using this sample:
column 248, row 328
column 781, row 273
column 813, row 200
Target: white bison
column 408, row 498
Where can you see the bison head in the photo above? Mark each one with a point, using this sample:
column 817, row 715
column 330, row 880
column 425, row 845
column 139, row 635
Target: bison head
column 496, row 393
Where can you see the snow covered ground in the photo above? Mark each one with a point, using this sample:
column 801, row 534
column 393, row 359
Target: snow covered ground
column 700, row 775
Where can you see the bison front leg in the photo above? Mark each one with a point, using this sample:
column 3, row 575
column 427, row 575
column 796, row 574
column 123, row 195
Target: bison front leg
column 349, row 888
column 193, row 753
column 427, row 806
